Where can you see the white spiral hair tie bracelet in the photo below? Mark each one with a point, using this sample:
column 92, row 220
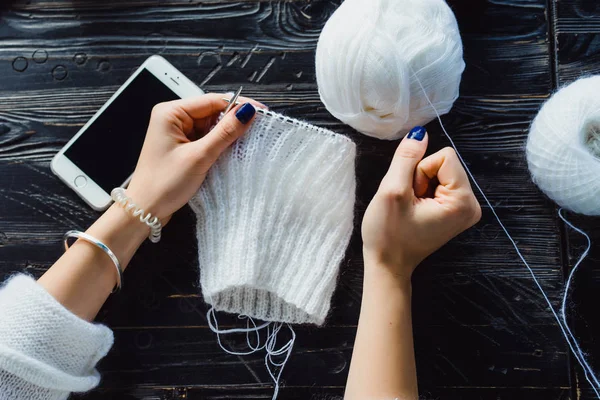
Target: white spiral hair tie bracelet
column 120, row 198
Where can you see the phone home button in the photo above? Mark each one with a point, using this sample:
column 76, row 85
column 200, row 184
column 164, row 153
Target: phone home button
column 80, row 181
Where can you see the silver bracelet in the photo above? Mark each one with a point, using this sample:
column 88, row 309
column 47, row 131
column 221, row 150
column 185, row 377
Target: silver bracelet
column 119, row 197
column 101, row 246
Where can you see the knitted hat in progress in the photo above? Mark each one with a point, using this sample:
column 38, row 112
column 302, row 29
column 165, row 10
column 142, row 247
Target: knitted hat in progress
column 274, row 218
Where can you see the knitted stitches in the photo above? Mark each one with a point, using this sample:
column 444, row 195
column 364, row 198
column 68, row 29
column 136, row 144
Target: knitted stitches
column 45, row 350
column 274, row 218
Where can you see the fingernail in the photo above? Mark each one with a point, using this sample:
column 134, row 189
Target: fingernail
column 417, row 133
column 245, row 113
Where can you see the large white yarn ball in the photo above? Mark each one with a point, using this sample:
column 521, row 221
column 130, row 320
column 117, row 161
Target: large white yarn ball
column 563, row 147
column 370, row 54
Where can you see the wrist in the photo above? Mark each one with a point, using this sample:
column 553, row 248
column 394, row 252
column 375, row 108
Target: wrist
column 120, row 231
column 396, row 276
column 147, row 200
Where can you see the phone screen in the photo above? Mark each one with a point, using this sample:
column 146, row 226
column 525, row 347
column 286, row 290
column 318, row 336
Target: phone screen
column 108, row 150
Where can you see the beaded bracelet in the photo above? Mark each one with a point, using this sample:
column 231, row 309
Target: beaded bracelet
column 92, row 240
column 120, row 198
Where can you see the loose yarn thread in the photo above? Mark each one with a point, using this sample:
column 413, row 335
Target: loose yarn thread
column 572, row 342
column 580, row 356
column 274, row 368
column 366, row 52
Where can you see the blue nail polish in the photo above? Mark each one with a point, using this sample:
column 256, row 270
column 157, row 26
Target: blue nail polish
column 245, row 113
column 417, row 133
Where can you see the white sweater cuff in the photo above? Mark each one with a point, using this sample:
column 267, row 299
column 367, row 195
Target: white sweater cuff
column 43, row 343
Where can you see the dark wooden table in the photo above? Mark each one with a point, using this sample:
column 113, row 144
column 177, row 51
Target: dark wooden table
column 482, row 328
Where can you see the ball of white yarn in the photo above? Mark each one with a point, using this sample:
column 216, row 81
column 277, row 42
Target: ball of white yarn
column 563, row 147
column 369, row 53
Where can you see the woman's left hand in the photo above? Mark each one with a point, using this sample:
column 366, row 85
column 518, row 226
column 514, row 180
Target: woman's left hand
column 179, row 150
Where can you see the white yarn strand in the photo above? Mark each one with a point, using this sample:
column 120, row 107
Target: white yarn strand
column 274, row 368
column 562, row 322
column 580, row 356
column 364, row 57
column 118, row 195
column 214, row 326
column 286, row 350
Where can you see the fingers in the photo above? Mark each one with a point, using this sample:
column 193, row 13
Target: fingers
column 195, row 115
column 209, row 104
column 399, row 178
column 228, row 130
column 206, row 105
column 443, row 166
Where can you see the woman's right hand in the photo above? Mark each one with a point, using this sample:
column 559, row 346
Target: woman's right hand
column 421, row 204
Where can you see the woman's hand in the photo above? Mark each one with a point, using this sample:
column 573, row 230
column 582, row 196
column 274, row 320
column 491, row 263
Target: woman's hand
column 179, row 150
column 177, row 153
column 421, row 204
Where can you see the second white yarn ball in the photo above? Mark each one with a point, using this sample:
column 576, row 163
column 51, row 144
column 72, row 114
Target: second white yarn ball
column 563, row 147
column 369, row 53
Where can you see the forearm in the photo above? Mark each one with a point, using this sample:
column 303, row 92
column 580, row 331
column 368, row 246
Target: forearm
column 383, row 361
column 83, row 278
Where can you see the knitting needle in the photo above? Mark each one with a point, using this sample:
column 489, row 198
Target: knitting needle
column 233, row 101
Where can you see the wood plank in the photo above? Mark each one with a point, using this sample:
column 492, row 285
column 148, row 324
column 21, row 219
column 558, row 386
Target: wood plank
column 92, row 44
column 577, row 38
column 577, row 16
column 318, row 393
column 578, row 56
column 465, row 356
column 506, row 46
column 245, row 392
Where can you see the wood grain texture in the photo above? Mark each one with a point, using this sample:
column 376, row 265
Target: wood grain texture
column 482, row 329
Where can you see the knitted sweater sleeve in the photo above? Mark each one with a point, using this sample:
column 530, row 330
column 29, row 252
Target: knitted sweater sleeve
column 46, row 352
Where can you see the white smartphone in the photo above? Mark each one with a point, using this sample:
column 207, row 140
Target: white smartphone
column 103, row 154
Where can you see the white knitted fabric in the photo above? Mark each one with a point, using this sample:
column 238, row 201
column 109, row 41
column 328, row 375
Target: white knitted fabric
column 46, row 352
column 274, row 218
